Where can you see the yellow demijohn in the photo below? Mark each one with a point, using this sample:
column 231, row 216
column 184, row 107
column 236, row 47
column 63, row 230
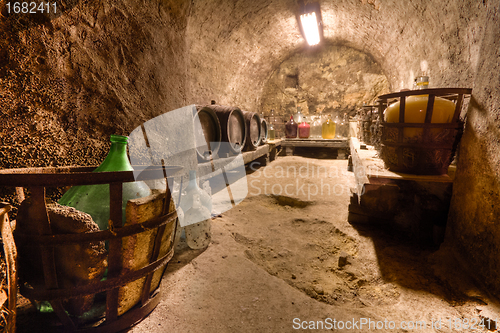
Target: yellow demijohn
column 415, row 111
column 328, row 129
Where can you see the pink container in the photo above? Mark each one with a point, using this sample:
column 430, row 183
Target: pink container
column 304, row 130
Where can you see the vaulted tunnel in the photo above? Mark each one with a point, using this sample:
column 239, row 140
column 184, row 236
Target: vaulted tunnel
column 98, row 68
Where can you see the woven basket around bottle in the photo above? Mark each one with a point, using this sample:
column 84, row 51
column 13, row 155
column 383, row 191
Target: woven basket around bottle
column 431, row 152
column 122, row 273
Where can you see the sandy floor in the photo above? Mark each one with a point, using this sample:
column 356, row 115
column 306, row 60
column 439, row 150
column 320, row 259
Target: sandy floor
column 279, row 263
column 286, row 258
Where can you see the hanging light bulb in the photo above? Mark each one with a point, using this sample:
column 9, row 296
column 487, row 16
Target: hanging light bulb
column 310, row 27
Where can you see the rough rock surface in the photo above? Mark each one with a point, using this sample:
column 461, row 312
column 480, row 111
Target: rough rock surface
column 68, row 82
column 331, row 80
column 76, row 264
column 475, row 210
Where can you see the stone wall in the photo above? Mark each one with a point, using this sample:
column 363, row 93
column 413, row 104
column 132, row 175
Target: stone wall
column 69, row 81
column 473, row 228
column 334, row 79
column 235, row 49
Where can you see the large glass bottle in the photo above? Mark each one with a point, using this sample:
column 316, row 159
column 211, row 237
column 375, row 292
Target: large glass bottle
column 415, row 111
column 344, row 131
column 304, row 129
column 291, row 128
column 198, row 235
column 196, row 204
column 337, row 122
column 328, row 129
column 94, row 199
column 316, row 128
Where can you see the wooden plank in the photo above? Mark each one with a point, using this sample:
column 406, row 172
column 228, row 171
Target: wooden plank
column 359, row 172
column 205, row 171
column 10, row 252
column 320, row 143
column 138, row 248
column 353, row 128
column 275, row 142
column 250, row 156
column 415, row 204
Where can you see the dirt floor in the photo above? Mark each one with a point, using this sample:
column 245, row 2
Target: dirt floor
column 286, row 258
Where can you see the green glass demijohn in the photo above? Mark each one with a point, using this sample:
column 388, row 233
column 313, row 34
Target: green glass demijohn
column 94, row 199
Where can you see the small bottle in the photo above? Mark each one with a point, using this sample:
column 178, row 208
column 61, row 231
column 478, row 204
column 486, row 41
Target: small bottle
column 271, row 132
column 298, row 117
column 304, row 129
column 328, row 129
column 291, row 128
column 188, row 197
column 422, row 82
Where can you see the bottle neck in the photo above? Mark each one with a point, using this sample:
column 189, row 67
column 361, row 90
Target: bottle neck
column 117, row 159
column 192, row 179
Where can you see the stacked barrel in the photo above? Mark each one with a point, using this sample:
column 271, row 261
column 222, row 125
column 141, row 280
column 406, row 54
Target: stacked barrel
column 228, row 131
column 254, row 130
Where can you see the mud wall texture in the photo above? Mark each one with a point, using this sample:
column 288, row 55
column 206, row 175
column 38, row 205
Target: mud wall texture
column 473, row 228
column 105, row 67
column 334, row 79
column 68, row 81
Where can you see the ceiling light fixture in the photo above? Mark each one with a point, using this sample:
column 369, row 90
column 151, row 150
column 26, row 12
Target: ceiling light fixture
column 310, row 22
column 310, row 28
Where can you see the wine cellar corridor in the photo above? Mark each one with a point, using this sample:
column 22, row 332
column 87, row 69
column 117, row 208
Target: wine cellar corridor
column 250, row 166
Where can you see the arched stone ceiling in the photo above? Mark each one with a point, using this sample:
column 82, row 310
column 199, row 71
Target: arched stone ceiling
column 235, row 45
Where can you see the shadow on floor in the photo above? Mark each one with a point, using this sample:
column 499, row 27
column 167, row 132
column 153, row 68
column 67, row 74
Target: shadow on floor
column 418, row 266
column 316, row 152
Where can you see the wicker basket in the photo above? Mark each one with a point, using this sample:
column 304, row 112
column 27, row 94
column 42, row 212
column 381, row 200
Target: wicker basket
column 431, row 152
column 160, row 229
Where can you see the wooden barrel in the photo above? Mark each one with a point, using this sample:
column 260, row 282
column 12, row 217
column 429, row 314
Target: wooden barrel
column 211, row 129
column 233, row 131
column 253, row 125
column 263, row 131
